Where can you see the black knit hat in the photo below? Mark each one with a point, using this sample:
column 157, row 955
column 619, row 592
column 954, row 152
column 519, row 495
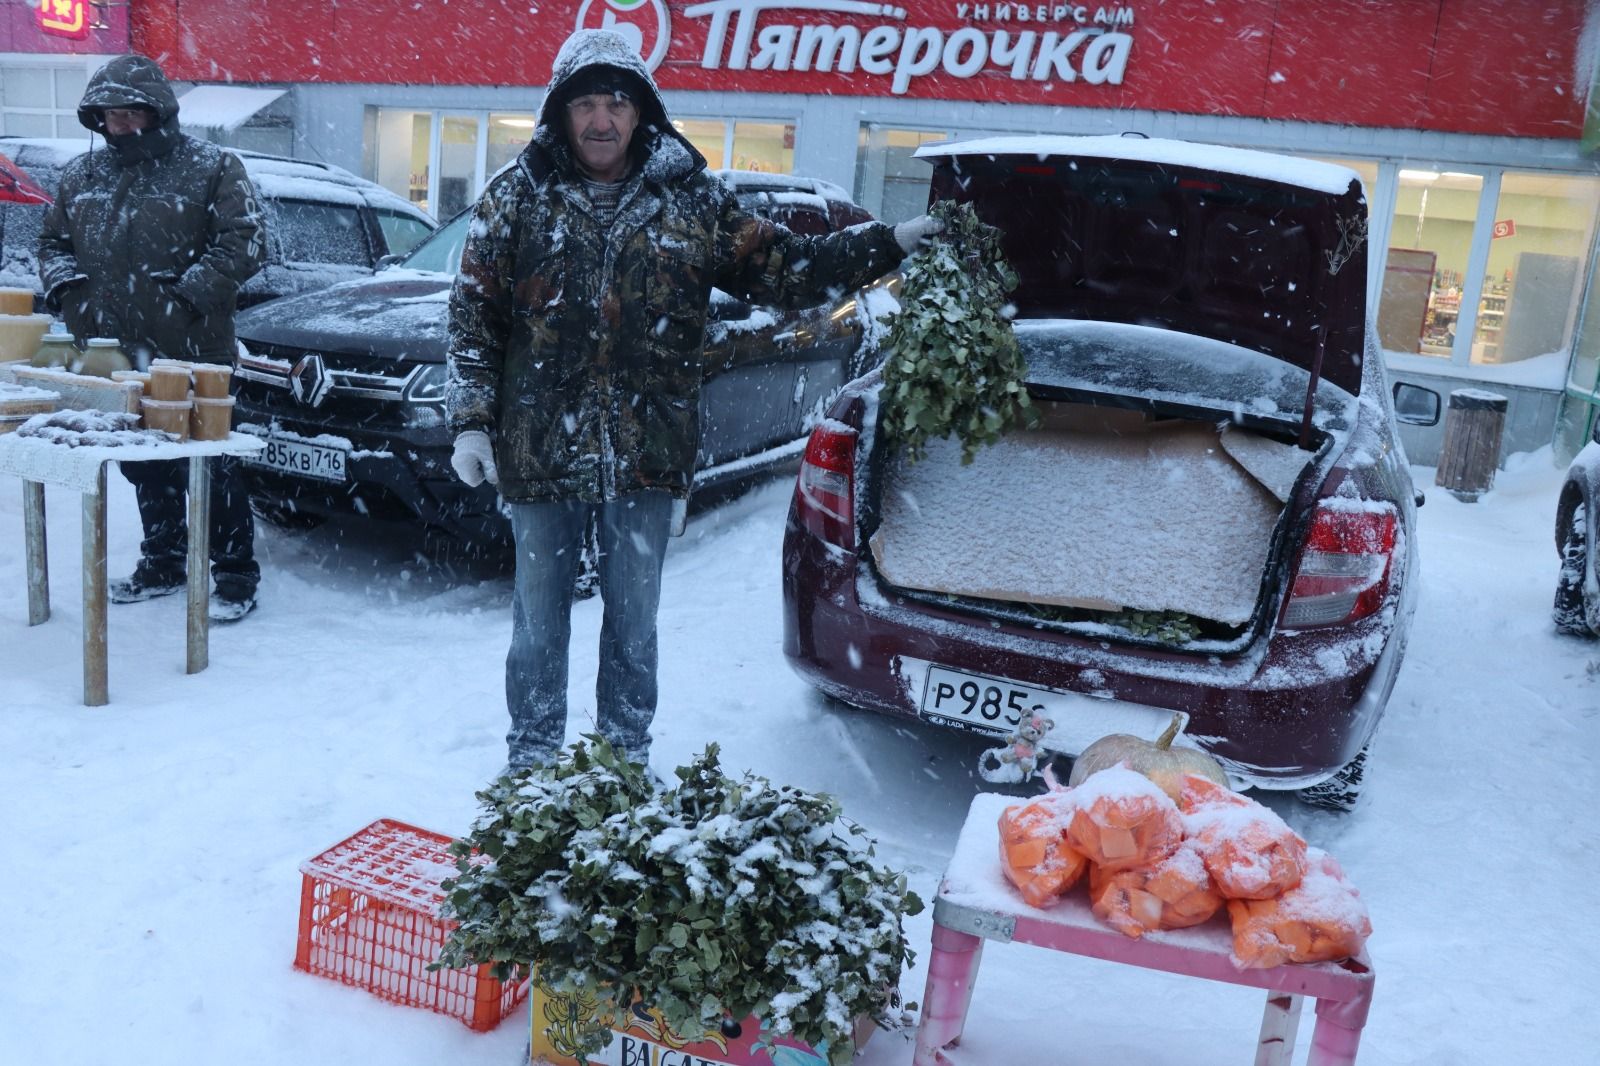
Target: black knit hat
column 607, row 80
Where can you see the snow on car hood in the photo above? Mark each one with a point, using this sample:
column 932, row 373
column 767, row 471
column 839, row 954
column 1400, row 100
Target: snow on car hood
column 394, row 314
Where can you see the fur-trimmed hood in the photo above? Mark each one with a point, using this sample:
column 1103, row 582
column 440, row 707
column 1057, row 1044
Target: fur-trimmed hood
column 667, row 155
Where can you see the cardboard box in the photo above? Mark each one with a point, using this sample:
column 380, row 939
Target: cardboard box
column 643, row 1039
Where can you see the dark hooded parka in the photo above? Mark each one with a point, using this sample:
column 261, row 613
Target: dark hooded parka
column 579, row 348
column 150, row 238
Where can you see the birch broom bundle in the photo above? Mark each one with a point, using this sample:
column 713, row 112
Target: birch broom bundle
column 954, row 365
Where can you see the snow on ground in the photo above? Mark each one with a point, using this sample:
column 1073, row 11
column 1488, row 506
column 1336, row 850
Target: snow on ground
column 151, row 884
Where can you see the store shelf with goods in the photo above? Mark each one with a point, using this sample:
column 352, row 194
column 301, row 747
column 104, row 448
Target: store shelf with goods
column 1439, row 324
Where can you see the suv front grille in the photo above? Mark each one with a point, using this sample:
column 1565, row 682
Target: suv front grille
column 370, row 379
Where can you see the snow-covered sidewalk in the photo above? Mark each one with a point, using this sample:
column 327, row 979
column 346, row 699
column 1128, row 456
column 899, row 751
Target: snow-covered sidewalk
column 151, row 884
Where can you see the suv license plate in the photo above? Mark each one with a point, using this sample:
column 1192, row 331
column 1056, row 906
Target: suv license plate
column 316, row 461
column 993, row 706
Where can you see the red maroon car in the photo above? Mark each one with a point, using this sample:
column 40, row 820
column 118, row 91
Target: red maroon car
column 1216, row 516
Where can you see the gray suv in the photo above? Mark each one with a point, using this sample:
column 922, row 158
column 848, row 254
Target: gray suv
column 324, row 224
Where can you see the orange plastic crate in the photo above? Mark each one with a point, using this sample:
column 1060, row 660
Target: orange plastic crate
column 369, row 917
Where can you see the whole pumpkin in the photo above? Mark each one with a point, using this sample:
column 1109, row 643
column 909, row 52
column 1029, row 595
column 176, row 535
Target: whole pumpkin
column 1158, row 760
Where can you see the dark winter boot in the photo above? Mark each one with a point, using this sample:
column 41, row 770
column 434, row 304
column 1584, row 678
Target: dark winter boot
column 146, row 583
column 230, row 604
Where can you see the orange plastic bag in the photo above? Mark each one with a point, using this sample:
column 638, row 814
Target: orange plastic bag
column 1034, row 851
column 1174, row 893
column 1249, row 851
column 1320, row 919
column 1121, row 820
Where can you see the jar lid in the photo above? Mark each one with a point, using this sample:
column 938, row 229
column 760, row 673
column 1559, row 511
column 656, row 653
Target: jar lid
column 103, row 342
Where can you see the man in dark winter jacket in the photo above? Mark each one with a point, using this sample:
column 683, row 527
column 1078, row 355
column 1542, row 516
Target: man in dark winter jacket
column 148, row 241
column 576, row 360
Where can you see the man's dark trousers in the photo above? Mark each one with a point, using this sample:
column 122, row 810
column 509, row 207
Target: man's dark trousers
column 162, row 491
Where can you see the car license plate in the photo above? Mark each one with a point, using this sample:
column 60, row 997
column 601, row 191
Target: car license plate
column 993, row 706
column 302, row 459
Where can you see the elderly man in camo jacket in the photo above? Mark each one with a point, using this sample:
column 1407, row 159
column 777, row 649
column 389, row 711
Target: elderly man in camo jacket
column 576, row 361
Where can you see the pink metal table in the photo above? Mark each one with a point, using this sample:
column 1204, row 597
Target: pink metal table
column 975, row 903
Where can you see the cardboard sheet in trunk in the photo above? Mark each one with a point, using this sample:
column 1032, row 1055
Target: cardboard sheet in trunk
column 1105, row 514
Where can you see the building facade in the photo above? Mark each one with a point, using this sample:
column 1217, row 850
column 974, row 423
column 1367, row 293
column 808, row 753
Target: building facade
column 1465, row 118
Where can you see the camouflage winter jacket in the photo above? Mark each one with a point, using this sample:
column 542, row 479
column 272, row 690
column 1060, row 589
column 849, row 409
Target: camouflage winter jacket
column 578, row 348
column 150, row 241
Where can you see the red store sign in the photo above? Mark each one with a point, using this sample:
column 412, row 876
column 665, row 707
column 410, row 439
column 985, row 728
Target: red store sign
column 1508, row 67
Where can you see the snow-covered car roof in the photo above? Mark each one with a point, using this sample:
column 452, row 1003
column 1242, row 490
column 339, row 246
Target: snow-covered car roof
column 761, row 181
column 1329, row 178
column 274, row 176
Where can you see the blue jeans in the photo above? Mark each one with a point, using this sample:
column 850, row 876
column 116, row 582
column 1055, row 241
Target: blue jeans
column 632, row 536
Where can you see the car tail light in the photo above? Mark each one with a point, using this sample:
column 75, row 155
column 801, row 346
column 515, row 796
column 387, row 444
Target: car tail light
column 1344, row 566
column 824, row 493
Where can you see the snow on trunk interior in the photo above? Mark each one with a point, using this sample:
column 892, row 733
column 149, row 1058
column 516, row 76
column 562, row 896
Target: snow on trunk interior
column 1100, row 509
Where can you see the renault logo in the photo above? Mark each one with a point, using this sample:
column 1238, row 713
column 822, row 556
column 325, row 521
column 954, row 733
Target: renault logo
column 310, row 380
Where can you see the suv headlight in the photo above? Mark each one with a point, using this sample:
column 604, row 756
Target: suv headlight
column 428, row 386
column 424, row 397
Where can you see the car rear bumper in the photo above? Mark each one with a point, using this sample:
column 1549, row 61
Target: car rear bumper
column 1284, row 715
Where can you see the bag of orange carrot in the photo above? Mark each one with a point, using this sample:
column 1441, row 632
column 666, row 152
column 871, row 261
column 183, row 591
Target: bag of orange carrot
column 1121, row 819
column 1319, row 920
column 1174, row 893
column 1250, row 852
column 1034, row 851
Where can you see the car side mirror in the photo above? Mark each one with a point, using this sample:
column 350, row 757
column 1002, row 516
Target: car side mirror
column 1415, row 405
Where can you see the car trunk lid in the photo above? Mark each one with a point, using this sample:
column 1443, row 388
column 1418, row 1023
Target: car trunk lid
column 1255, row 250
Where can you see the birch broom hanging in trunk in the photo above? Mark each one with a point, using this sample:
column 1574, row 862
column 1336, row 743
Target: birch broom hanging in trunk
column 954, row 365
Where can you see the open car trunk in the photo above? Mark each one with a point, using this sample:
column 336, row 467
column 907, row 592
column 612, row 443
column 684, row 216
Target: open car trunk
column 1100, row 512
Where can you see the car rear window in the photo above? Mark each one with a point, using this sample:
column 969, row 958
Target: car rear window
column 308, row 232
column 1229, row 258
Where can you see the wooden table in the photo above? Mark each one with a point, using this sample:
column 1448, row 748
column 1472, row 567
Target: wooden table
column 40, row 462
column 975, row 903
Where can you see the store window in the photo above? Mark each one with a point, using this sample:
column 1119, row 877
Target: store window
column 1425, row 270
column 41, row 101
column 739, row 145
column 401, row 153
column 459, row 180
column 441, row 161
column 710, row 136
column 890, row 181
column 508, row 136
column 1540, row 238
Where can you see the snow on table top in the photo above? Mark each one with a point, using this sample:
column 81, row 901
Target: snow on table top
column 1307, row 173
column 79, row 468
column 1160, row 519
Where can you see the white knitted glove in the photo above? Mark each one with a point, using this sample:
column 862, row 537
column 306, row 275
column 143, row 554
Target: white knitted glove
column 911, row 234
column 473, row 459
